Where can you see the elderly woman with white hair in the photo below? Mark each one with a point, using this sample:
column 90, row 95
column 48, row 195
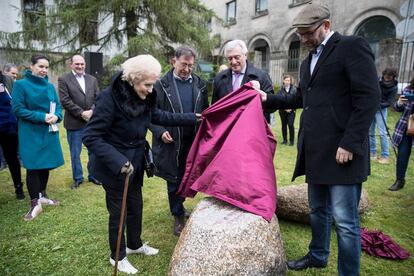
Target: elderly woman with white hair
column 115, row 136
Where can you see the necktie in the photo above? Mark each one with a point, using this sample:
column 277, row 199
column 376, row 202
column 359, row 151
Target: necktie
column 236, row 82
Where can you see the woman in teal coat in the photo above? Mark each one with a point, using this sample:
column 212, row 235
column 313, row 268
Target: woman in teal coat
column 37, row 108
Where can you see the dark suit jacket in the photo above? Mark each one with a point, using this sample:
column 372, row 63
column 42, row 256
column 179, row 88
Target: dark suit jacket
column 223, row 83
column 339, row 101
column 74, row 100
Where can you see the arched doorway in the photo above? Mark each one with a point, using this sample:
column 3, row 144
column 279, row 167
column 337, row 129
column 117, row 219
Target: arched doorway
column 376, row 29
column 261, row 51
column 293, row 57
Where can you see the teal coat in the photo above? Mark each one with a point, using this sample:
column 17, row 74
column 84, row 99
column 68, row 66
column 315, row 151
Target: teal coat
column 39, row 148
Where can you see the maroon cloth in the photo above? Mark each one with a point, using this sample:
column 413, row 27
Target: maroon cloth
column 376, row 243
column 232, row 155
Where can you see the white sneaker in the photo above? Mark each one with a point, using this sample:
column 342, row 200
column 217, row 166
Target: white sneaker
column 35, row 210
column 144, row 249
column 47, row 201
column 124, row 266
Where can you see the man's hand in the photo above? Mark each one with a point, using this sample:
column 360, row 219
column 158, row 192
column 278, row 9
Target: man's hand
column 343, row 156
column 166, row 137
column 127, row 168
column 255, row 84
column 86, row 115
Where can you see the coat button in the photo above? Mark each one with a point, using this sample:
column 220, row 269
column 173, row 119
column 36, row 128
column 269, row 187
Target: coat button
column 309, row 89
column 306, row 108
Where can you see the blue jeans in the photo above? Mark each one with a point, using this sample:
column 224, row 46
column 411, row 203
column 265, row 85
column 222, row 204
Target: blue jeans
column 404, row 152
column 338, row 203
column 379, row 122
column 75, row 148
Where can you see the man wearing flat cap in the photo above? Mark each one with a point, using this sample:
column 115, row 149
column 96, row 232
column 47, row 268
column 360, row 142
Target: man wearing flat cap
column 339, row 94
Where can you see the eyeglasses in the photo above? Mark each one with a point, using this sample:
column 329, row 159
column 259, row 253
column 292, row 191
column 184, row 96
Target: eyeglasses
column 185, row 65
column 310, row 33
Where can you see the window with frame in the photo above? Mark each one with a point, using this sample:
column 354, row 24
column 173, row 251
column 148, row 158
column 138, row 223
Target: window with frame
column 261, row 6
column 34, row 19
column 231, row 12
column 88, row 31
column 298, row 2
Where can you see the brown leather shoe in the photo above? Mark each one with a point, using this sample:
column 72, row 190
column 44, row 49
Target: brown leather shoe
column 179, row 223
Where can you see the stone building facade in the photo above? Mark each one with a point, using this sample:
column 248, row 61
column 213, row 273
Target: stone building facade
column 265, row 25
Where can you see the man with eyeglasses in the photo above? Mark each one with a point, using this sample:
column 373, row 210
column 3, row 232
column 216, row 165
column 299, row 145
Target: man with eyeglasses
column 240, row 72
column 178, row 91
column 339, row 94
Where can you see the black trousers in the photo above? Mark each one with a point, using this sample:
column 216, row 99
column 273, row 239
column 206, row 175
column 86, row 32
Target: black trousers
column 288, row 120
column 9, row 144
column 133, row 220
column 36, row 182
column 176, row 201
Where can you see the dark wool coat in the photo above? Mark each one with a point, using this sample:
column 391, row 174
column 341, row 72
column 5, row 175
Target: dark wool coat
column 339, row 101
column 117, row 130
column 168, row 99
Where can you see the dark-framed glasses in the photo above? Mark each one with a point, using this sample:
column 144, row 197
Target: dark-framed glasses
column 309, row 33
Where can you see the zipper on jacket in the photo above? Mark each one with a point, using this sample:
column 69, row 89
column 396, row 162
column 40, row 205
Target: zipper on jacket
column 178, row 128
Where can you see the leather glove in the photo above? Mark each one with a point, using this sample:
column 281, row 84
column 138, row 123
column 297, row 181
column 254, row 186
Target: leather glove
column 127, row 168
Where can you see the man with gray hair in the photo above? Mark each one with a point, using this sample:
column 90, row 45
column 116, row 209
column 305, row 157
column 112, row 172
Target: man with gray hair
column 339, row 94
column 240, row 72
column 78, row 92
column 178, row 91
column 11, row 70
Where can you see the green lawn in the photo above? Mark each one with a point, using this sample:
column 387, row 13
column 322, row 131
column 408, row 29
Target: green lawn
column 71, row 239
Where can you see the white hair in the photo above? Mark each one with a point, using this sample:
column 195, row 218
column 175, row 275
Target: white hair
column 233, row 44
column 140, row 67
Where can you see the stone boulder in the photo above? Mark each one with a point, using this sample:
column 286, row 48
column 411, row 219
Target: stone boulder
column 292, row 202
column 220, row 239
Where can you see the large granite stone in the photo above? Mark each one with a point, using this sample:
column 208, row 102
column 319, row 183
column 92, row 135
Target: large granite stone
column 220, row 239
column 292, row 202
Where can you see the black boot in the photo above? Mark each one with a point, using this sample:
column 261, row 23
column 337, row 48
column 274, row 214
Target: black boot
column 19, row 191
column 398, row 184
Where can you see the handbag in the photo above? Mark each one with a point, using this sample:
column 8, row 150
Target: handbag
column 410, row 125
column 149, row 164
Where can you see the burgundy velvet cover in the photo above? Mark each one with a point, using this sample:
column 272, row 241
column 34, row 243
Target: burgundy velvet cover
column 376, row 243
column 232, row 155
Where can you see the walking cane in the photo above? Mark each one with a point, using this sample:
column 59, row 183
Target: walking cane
column 121, row 223
column 388, row 132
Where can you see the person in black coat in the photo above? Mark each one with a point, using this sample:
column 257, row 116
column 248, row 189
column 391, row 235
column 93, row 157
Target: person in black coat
column 339, row 94
column 179, row 91
column 115, row 136
column 240, row 72
column 8, row 134
column 287, row 116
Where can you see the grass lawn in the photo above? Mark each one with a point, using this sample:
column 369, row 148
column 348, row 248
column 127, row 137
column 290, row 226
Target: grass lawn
column 71, row 239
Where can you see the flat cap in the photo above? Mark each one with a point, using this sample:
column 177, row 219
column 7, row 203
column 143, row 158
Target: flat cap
column 311, row 14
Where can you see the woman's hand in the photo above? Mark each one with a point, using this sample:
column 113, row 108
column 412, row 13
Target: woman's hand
column 127, row 168
column 51, row 118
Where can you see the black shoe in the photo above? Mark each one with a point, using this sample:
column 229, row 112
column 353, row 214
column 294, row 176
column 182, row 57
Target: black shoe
column 305, row 263
column 19, row 192
column 76, row 184
column 179, row 224
column 284, row 142
column 398, row 184
column 291, row 144
column 95, row 181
